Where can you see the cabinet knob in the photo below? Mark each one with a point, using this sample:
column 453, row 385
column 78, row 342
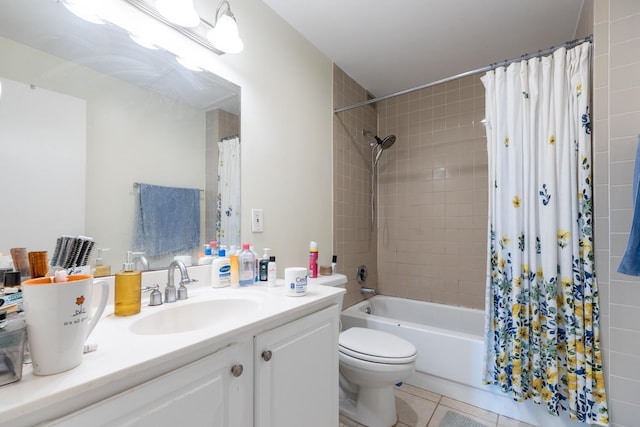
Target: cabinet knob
column 266, row 355
column 236, row 370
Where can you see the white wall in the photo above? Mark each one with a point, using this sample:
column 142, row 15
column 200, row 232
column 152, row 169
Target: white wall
column 286, row 135
column 35, row 211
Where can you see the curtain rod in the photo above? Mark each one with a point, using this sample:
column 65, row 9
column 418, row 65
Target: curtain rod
column 526, row 56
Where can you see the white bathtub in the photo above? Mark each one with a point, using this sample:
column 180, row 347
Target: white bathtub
column 449, row 339
column 450, row 344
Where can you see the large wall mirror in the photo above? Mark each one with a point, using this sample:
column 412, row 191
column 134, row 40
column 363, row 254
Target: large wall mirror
column 88, row 114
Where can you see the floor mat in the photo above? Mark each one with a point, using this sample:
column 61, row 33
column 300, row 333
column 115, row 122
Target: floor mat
column 455, row 419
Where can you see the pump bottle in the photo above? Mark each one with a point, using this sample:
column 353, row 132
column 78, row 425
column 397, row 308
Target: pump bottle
column 101, row 269
column 263, row 267
column 221, row 270
column 128, row 292
column 208, row 256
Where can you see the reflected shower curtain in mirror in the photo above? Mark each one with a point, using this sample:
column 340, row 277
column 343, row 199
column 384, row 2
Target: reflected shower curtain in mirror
column 228, row 220
column 542, row 328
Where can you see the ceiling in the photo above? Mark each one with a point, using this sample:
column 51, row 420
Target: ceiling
column 393, row 45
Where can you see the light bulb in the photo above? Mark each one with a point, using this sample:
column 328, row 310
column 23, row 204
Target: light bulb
column 224, row 36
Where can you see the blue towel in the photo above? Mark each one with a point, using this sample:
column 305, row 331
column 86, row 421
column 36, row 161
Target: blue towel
column 167, row 220
column 630, row 263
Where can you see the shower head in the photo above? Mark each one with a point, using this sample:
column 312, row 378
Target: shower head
column 380, row 143
column 387, row 142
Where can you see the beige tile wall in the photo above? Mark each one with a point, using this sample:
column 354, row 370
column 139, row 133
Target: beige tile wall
column 353, row 239
column 616, row 125
column 433, row 195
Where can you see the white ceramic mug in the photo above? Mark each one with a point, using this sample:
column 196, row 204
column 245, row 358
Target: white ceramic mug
column 59, row 321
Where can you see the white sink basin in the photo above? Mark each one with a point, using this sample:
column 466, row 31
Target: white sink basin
column 193, row 316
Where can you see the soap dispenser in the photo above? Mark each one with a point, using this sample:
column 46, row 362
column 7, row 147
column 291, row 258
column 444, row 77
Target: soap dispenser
column 101, row 269
column 263, row 266
column 128, row 289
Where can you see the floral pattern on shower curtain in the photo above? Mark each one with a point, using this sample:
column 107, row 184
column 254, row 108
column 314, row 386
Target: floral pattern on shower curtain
column 542, row 327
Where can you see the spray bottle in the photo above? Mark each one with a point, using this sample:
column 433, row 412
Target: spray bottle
column 313, row 260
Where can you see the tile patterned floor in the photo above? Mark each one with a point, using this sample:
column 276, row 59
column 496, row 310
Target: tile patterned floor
column 421, row 408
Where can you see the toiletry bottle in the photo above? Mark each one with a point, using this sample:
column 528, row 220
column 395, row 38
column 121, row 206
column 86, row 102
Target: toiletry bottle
column 101, row 269
column 257, row 267
column 247, row 264
column 221, row 270
column 334, row 263
column 263, row 266
column 207, row 258
column 13, row 338
column 313, row 260
column 271, row 271
column 213, row 245
column 128, row 289
column 235, row 267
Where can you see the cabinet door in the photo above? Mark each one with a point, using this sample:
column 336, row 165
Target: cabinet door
column 297, row 373
column 213, row 391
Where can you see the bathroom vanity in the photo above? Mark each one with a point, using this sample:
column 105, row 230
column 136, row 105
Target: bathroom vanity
column 224, row 357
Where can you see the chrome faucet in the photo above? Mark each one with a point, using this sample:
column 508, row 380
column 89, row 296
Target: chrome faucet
column 367, row 291
column 139, row 256
column 170, row 289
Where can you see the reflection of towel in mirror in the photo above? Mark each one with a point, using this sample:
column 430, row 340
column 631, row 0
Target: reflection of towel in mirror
column 167, row 219
column 630, row 263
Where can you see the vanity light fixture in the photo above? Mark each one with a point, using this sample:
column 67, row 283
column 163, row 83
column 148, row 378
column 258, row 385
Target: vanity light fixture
column 180, row 12
column 224, row 35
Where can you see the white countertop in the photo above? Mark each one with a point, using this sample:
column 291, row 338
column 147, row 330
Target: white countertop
column 124, row 359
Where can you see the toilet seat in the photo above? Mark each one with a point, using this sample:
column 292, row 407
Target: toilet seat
column 376, row 346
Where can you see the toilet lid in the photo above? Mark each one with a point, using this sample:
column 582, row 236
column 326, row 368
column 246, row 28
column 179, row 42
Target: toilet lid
column 376, row 346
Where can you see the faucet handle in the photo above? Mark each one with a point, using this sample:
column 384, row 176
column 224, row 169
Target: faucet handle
column 182, row 292
column 156, row 296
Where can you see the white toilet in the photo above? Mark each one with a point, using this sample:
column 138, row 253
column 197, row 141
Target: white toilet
column 371, row 363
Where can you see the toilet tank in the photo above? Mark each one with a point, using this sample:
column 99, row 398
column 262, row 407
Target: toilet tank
column 335, row 280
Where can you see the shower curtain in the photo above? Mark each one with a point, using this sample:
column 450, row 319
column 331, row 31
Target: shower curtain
column 542, row 329
column 228, row 212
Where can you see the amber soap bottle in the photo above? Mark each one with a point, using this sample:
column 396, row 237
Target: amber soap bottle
column 128, row 289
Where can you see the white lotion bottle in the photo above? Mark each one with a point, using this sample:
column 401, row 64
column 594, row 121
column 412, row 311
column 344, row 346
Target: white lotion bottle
column 221, row 270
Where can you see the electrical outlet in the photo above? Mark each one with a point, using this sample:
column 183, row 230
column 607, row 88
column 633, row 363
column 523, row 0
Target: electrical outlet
column 257, row 220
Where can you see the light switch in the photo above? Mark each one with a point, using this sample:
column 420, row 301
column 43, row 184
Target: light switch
column 257, row 220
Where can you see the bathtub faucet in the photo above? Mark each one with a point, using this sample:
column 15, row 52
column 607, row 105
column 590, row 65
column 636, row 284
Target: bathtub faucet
column 367, row 291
